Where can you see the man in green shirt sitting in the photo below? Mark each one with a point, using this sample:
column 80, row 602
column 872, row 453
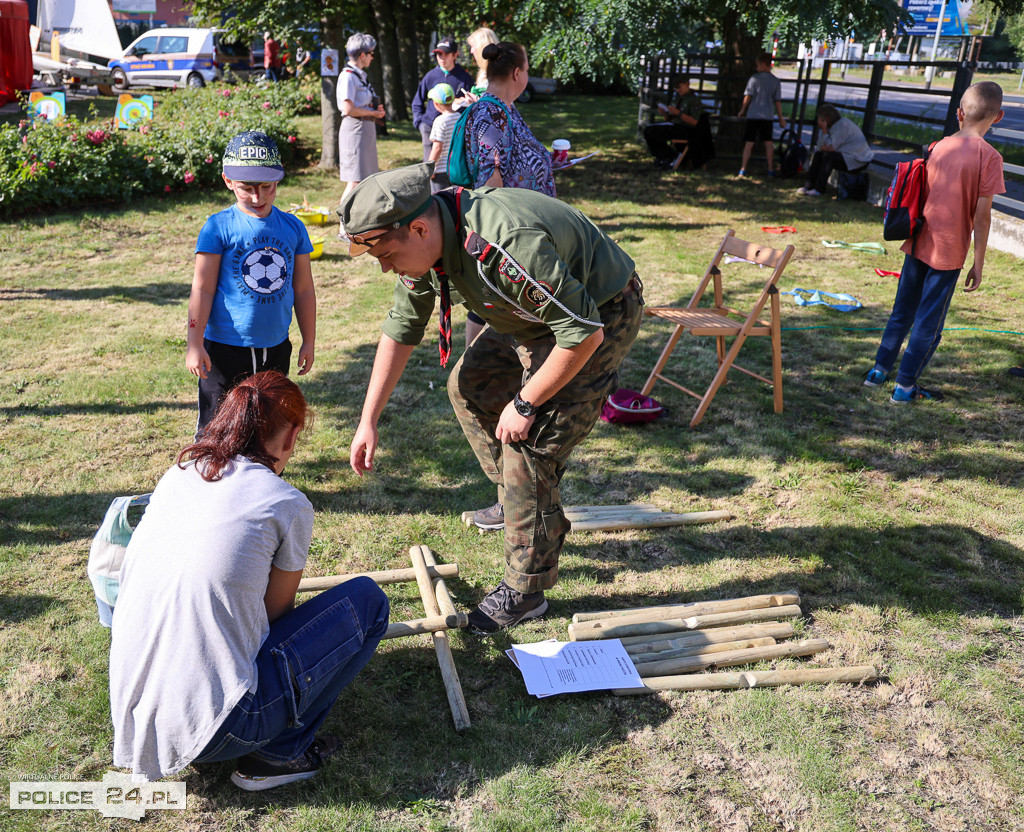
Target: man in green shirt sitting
column 677, row 120
column 562, row 304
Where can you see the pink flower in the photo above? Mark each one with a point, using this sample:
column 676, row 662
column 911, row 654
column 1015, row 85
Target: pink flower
column 148, row 159
column 226, row 93
column 74, row 137
column 309, row 96
column 167, row 189
column 97, row 137
column 291, row 140
column 144, row 129
column 32, row 170
column 24, row 139
column 267, row 105
column 209, row 160
column 222, row 113
column 189, row 177
column 51, row 164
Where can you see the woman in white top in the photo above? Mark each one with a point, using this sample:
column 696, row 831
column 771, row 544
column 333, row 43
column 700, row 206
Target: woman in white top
column 210, row 660
column 359, row 105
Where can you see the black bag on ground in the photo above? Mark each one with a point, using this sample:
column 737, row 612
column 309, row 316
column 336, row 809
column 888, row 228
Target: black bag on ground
column 791, row 153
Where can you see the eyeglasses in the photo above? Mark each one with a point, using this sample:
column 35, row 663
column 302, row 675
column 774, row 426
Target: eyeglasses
column 357, row 243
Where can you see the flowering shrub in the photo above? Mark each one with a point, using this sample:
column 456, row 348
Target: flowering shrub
column 68, row 163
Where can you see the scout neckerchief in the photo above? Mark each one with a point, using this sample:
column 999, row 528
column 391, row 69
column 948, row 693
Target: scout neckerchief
column 444, row 342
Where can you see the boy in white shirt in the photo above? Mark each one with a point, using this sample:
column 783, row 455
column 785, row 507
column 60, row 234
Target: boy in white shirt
column 441, row 135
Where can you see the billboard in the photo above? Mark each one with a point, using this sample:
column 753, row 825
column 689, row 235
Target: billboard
column 926, row 17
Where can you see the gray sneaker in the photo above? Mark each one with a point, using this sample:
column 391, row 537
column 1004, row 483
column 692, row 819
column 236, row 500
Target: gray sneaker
column 505, row 607
column 490, row 519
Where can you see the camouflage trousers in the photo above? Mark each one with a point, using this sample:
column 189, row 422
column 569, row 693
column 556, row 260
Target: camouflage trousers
column 487, row 377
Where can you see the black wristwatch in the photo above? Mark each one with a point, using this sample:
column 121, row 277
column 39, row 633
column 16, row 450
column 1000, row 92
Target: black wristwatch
column 523, row 408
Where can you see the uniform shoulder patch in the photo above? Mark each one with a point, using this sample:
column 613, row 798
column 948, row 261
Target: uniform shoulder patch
column 409, row 282
column 477, row 246
column 511, row 270
column 538, row 293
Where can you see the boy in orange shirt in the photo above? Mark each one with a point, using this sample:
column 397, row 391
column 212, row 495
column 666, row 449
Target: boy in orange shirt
column 962, row 175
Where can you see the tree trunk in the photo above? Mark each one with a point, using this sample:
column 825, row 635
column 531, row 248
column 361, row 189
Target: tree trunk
column 390, row 60
column 333, row 38
column 409, row 48
column 741, row 48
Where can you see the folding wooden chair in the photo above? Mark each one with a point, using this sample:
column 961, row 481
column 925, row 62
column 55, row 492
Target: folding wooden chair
column 721, row 322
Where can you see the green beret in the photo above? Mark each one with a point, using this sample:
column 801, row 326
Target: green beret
column 388, row 199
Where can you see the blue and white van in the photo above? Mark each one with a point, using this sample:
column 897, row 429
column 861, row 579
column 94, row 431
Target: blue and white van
column 176, row 58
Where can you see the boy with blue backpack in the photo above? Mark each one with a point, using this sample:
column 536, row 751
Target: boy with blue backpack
column 962, row 174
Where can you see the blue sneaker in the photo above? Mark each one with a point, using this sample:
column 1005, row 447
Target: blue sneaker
column 875, row 378
column 914, row 394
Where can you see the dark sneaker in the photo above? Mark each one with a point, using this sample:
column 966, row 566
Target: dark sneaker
column 505, row 607
column 915, row 394
column 875, row 378
column 1016, row 371
column 490, row 519
column 254, row 774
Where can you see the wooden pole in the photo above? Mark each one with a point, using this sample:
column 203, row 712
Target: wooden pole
column 777, row 630
column 752, row 602
column 756, row 679
column 387, row 576
column 651, row 521
column 614, row 518
column 583, row 512
column 701, row 650
column 420, row 626
column 450, row 676
column 444, row 597
column 777, row 599
column 591, row 630
column 732, row 658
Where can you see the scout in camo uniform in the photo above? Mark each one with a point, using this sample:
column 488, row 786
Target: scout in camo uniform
column 563, row 305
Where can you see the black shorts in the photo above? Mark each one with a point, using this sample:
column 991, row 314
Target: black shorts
column 758, row 130
column 229, row 365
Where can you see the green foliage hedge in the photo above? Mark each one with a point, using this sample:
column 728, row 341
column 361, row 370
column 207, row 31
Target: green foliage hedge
column 69, row 162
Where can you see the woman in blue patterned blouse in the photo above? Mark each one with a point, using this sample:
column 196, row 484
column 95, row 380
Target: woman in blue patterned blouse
column 500, row 143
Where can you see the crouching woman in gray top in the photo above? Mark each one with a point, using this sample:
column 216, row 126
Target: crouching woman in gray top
column 841, row 146
column 210, row 660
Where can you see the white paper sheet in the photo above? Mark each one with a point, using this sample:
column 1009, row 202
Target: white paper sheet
column 572, row 162
column 551, row 667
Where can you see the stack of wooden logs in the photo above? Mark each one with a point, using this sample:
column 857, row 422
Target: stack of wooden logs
column 668, row 641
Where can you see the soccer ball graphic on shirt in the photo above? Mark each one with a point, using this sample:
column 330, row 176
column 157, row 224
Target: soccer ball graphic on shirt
column 265, row 271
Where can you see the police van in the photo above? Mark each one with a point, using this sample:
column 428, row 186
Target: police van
column 178, row 58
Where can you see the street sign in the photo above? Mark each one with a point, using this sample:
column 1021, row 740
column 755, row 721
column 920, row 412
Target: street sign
column 136, row 6
column 926, row 18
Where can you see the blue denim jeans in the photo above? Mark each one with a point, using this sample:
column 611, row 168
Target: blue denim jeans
column 922, row 300
column 311, row 654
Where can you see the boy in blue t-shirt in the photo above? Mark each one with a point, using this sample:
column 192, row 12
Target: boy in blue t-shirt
column 252, row 267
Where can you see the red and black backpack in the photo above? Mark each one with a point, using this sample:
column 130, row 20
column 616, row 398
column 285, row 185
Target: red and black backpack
column 904, row 202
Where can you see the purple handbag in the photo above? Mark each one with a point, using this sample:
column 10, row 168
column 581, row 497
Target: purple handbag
column 627, row 407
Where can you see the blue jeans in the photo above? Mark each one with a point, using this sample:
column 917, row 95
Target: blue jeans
column 311, row 654
column 922, row 300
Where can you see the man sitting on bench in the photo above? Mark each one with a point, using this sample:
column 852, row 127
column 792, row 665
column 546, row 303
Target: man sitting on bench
column 679, row 121
column 841, row 146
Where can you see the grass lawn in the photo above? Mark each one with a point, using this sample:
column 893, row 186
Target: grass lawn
column 902, row 528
